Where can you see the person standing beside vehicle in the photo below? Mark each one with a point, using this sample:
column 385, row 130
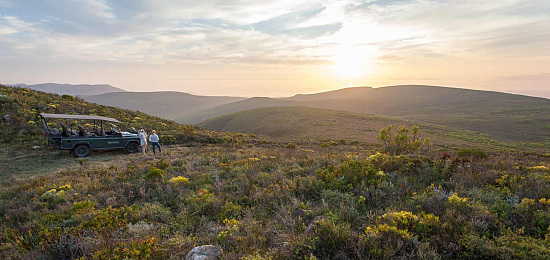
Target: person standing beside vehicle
column 146, row 135
column 154, row 139
column 142, row 140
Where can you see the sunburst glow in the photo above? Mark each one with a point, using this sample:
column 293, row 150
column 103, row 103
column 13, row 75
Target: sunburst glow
column 352, row 63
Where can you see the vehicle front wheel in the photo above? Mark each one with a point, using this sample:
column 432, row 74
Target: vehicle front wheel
column 132, row 147
column 81, row 150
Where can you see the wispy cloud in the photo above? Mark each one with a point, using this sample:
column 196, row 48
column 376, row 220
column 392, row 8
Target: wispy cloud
column 292, row 32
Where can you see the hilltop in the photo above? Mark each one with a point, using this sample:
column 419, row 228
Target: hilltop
column 73, row 90
column 505, row 117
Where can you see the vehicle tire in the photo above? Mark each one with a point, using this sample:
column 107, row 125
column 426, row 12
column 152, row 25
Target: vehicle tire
column 132, row 147
column 81, row 150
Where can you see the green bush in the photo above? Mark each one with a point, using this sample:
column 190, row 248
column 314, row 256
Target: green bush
column 179, row 180
column 155, row 174
column 350, row 175
column 472, row 152
column 404, row 141
column 139, row 249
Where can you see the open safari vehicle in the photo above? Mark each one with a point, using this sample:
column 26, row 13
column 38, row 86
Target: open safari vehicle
column 88, row 136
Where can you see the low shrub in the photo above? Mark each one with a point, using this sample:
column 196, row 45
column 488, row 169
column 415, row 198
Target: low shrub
column 154, row 174
column 472, row 152
column 179, row 180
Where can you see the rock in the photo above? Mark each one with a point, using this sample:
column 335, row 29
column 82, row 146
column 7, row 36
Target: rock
column 6, row 118
column 315, row 223
column 299, row 213
column 206, row 252
column 341, row 256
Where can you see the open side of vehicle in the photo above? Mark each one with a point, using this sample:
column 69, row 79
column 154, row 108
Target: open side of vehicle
column 82, row 141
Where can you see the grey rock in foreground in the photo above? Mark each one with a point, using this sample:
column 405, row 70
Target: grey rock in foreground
column 206, row 252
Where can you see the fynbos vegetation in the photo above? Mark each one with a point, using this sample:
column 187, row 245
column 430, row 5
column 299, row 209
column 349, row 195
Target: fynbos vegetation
column 267, row 200
column 404, row 141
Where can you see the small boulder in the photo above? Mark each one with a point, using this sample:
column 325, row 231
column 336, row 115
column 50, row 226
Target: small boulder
column 311, row 227
column 300, row 213
column 206, row 252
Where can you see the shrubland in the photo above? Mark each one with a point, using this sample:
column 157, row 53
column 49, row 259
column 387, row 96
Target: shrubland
column 24, row 126
column 269, row 200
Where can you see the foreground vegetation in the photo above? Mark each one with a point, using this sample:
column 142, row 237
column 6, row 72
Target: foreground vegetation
column 265, row 200
column 257, row 202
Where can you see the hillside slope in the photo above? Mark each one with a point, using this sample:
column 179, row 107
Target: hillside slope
column 505, row 117
column 305, row 123
column 23, row 130
column 242, row 105
column 73, row 90
column 166, row 104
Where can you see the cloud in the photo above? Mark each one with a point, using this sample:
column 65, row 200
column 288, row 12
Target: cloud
column 7, row 30
column 279, row 32
column 467, row 27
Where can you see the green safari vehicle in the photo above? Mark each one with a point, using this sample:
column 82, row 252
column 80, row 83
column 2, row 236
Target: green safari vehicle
column 82, row 141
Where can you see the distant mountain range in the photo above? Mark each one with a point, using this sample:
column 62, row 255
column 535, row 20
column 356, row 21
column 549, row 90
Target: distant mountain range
column 73, row 90
column 505, row 117
column 167, row 104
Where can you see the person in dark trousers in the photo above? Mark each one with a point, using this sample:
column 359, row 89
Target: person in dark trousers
column 154, row 139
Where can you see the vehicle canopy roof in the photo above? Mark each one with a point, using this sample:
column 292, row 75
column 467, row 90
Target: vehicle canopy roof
column 82, row 117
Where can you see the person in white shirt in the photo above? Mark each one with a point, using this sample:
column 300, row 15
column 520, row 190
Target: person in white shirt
column 143, row 140
column 154, row 139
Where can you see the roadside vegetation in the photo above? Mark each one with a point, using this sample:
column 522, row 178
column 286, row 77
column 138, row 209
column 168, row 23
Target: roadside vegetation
column 268, row 200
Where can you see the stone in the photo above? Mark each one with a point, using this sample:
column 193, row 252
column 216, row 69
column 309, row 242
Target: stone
column 299, row 213
column 206, row 252
column 311, row 227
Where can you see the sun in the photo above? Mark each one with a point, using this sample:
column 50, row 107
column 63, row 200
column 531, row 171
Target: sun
column 351, row 63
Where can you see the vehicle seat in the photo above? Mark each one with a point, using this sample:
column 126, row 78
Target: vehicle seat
column 64, row 131
column 82, row 132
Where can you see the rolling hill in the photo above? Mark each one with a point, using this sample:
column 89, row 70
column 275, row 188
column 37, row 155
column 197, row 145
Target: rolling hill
column 505, row 117
column 73, row 90
column 250, row 103
column 166, row 104
column 306, row 123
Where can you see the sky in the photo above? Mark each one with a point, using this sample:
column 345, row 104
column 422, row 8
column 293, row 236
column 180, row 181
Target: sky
column 277, row 48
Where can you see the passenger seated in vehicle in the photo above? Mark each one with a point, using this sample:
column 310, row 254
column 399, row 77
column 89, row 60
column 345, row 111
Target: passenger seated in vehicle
column 99, row 132
column 82, row 132
column 64, row 131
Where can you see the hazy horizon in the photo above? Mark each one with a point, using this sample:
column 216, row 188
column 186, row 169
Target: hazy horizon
column 261, row 96
column 278, row 48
